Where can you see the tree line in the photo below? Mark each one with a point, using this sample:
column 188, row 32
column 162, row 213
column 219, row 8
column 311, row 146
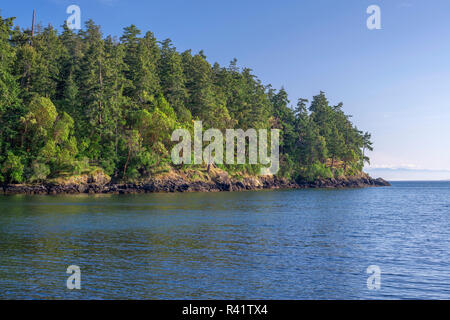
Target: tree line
column 71, row 102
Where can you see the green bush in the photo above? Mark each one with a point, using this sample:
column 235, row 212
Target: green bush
column 12, row 169
column 40, row 172
column 315, row 171
column 339, row 172
column 287, row 167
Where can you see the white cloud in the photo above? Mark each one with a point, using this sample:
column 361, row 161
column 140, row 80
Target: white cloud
column 391, row 166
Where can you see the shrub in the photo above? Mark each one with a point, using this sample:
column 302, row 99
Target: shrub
column 40, row 172
column 12, row 169
column 339, row 172
column 315, row 171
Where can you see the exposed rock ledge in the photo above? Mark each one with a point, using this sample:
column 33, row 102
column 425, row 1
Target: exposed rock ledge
column 180, row 183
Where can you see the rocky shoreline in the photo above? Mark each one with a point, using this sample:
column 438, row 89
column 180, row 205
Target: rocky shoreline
column 181, row 184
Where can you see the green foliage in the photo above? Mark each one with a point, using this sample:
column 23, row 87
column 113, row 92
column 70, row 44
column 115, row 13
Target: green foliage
column 40, row 172
column 42, row 113
column 288, row 167
column 12, row 169
column 82, row 166
column 71, row 102
column 316, row 170
column 339, row 173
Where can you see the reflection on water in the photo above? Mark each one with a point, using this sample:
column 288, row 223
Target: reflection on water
column 303, row 244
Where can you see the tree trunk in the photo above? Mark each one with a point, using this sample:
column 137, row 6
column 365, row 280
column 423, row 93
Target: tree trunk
column 24, row 134
column 126, row 163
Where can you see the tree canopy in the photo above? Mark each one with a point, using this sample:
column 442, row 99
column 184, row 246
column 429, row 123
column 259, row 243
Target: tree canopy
column 70, row 101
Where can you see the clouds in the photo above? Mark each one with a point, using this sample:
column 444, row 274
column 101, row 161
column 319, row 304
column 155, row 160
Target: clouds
column 394, row 167
column 408, row 173
column 407, row 170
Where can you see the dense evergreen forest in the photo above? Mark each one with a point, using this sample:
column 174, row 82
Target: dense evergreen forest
column 73, row 102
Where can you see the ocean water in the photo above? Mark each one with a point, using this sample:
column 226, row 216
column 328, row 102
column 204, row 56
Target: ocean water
column 293, row 244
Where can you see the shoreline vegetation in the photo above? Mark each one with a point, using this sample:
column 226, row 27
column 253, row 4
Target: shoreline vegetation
column 191, row 181
column 84, row 113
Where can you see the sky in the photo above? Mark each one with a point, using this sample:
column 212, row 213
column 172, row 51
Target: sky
column 395, row 81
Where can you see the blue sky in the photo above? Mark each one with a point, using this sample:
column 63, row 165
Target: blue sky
column 394, row 81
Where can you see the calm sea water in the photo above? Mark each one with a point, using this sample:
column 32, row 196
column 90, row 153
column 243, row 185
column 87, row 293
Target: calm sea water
column 297, row 244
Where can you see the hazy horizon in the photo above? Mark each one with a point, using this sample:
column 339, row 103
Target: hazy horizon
column 403, row 174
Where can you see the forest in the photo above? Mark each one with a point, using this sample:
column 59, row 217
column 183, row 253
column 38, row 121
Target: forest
column 74, row 102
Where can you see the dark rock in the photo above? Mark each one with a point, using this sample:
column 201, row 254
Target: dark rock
column 381, row 182
column 219, row 182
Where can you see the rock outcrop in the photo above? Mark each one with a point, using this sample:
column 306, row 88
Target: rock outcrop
column 174, row 181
